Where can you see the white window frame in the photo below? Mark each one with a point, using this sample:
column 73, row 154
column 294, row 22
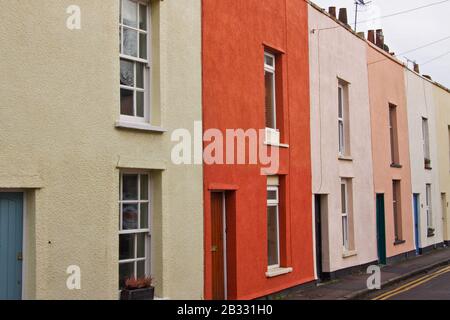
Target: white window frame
column 426, row 139
column 341, row 120
column 271, row 69
column 345, row 216
column 395, row 154
column 276, row 204
column 135, row 60
column 428, row 205
column 146, row 231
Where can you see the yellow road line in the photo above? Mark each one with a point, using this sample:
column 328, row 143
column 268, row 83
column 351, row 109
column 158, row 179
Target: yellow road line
column 413, row 282
column 416, row 285
column 411, row 285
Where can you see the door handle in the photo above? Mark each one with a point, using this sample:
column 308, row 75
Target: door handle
column 214, row 249
column 19, row 256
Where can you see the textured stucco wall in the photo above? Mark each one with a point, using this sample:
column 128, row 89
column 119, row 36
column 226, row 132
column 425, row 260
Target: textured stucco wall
column 338, row 54
column 58, row 106
column 420, row 105
column 235, row 34
column 442, row 101
column 387, row 85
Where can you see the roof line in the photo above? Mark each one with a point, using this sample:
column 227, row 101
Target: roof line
column 372, row 45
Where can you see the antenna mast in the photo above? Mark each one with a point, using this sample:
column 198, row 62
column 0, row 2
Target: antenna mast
column 357, row 4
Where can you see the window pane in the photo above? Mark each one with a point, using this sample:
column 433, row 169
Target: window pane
column 268, row 60
column 126, row 102
column 142, row 46
column 140, row 104
column 272, row 235
column 130, row 13
column 126, row 271
column 126, row 73
column 341, row 137
column 130, row 187
column 142, row 17
column 140, row 75
column 141, row 245
column 343, row 198
column 126, row 246
column 130, row 216
column 141, row 269
column 340, row 103
column 130, row 42
column 269, row 87
column 345, row 232
column 271, row 195
column 144, row 187
column 144, row 215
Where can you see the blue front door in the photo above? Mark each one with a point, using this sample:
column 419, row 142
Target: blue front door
column 416, row 205
column 11, row 229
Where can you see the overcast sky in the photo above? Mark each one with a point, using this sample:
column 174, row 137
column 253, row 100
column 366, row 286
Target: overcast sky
column 408, row 31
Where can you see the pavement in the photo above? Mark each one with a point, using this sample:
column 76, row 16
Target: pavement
column 354, row 286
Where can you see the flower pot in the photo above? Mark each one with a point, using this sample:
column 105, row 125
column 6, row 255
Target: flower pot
column 138, row 294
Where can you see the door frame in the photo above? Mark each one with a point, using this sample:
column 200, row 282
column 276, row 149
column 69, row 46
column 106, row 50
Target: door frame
column 382, row 258
column 24, row 236
column 444, row 205
column 224, row 239
column 318, row 235
column 416, row 213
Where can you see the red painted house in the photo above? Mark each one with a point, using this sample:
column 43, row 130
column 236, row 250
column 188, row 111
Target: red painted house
column 258, row 227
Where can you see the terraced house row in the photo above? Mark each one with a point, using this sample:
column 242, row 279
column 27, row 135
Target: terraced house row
column 346, row 158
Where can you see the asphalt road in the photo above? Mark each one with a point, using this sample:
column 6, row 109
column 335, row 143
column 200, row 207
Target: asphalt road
column 432, row 286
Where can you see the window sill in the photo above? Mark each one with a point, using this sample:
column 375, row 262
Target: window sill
column 275, row 272
column 139, row 126
column 349, row 254
column 399, row 242
column 345, row 158
column 278, row 145
column 396, row 165
column 428, row 168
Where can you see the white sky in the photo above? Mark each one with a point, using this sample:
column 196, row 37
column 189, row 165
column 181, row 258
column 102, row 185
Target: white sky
column 407, row 31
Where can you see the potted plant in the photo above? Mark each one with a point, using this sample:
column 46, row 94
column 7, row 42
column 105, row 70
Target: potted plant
column 138, row 289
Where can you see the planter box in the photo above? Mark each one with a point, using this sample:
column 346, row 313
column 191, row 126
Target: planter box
column 138, row 294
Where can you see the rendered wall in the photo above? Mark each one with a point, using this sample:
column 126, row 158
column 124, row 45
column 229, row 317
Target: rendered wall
column 234, row 39
column 58, row 107
column 442, row 101
column 337, row 54
column 421, row 104
column 387, row 85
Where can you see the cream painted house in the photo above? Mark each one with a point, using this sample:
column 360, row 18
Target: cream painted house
column 86, row 178
column 423, row 147
column 341, row 147
column 442, row 101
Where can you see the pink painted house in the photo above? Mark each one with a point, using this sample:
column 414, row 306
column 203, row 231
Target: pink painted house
column 390, row 151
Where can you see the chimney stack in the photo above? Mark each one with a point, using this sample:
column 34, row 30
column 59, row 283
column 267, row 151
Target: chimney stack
column 332, row 11
column 380, row 39
column 371, row 36
column 428, row 77
column 416, row 67
column 362, row 35
column 343, row 16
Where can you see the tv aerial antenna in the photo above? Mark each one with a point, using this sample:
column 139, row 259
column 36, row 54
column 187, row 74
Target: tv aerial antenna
column 359, row 3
